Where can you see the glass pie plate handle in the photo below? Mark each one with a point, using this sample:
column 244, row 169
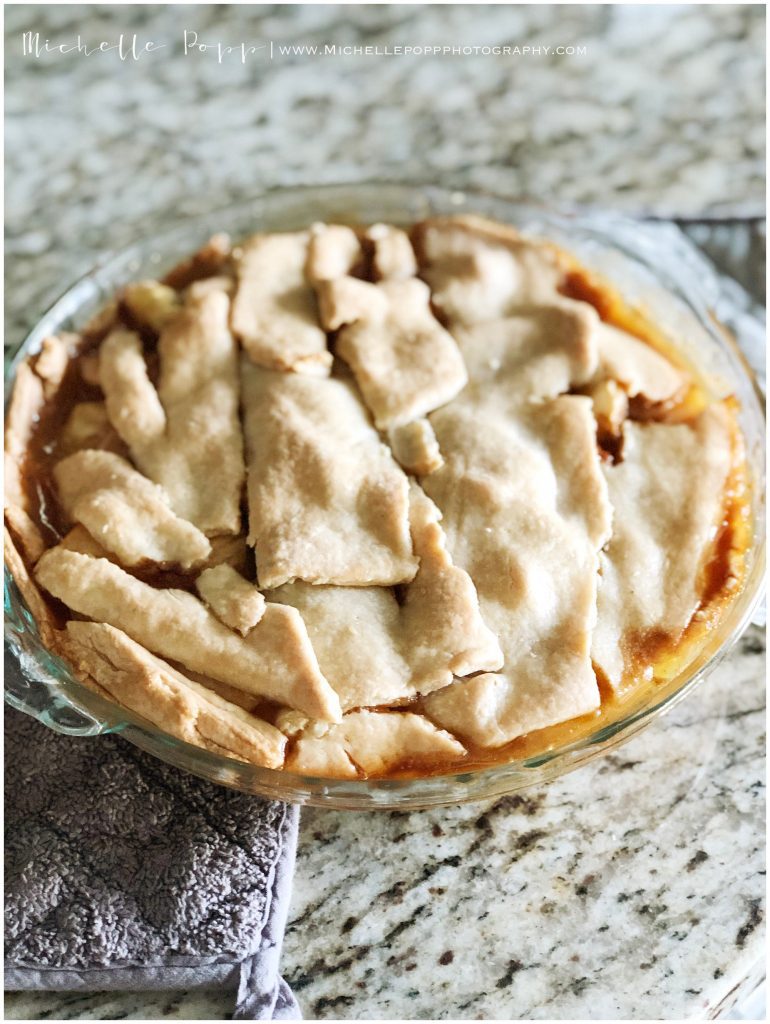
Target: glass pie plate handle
column 653, row 265
column 33, row 676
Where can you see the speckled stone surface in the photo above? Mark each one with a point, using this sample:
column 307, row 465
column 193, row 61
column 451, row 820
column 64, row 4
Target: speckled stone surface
column 634, row 887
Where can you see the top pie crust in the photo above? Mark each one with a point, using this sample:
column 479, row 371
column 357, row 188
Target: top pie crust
column 526, row 512
column 334, row 250
column 532, row 356
column 185, row 434
column 26, row 403
column 275, row 660
column 393, row 257
column 637, row 367
column 327, row 502
column 465, row 501
column 479, row 271
column 274, row 309
column 373, row 743
column 233, row 600
column 668, row 495
column 412, row 647
column 415, row 447
column 129, row 514
column 404, row 361
column 128, row 674
column 38, row 380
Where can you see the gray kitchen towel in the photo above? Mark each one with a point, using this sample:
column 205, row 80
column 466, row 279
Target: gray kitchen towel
column 122, row 872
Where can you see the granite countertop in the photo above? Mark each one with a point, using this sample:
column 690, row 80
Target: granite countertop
column 634, row 887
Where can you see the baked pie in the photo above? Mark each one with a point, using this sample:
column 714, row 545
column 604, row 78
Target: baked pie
column 368, row 502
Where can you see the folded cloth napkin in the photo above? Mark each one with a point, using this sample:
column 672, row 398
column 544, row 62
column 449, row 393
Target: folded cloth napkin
column 122, row 872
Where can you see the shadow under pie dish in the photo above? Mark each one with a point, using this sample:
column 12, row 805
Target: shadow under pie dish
column 382, row 504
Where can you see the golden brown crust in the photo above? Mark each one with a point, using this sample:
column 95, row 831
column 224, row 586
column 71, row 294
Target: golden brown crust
column 490, row 231
column 233, row 600
column 668, row 494
column 274, row 310
column 47, row 621
column 24, row 529
column 127, row 512
column 637, row 366
column 23, row 410
column 131, row 400
column 51, row 361
column 393, row 257
column 29, row 394
column 411, row 647
column 415, row 447
column 275, row 661
column 405, row 363
column 530, row 540
column 151, row 303
column 375, row 742
column 135, row 679
column 531, row 356
column 333, row 251
column 478, row 270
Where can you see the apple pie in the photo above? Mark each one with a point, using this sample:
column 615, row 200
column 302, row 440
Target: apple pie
column 360, row 502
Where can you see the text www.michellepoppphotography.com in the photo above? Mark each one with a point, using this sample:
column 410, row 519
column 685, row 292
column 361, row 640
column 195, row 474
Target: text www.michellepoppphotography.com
column 130, row 47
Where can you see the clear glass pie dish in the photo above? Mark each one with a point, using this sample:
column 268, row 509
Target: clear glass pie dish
column 656, row 270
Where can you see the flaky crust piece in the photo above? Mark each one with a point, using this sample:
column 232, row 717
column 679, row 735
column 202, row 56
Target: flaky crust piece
column 185, row 435
column 127, row 673
column 327, row 501
column 275, row 661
